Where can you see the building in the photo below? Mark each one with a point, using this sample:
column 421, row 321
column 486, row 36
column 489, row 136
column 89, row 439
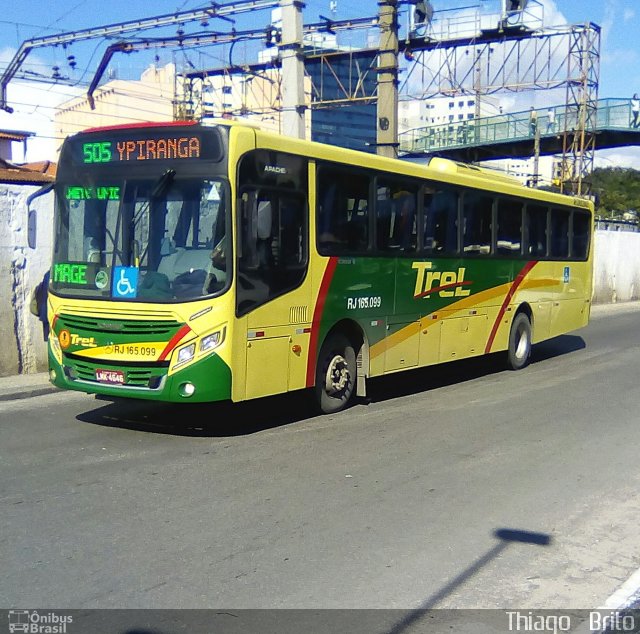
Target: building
column 549, row 170
column 438, row 111
column 21, row 268
column 8, row 138
column 118, row 101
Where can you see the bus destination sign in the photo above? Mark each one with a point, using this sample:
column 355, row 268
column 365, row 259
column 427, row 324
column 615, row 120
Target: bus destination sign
column 157, row 148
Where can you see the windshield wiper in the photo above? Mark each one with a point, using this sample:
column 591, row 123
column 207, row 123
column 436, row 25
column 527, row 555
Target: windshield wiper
column 163, row 184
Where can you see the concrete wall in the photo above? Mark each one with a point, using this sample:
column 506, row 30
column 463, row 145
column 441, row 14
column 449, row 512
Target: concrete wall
column 22, row 348
column 617, row 267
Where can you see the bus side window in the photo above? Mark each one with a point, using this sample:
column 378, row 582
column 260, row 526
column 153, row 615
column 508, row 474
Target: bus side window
column 325, row 213
column 264, row 221
column 342, row 211
column 536, row 225
column 356, row 229
column 396, row 226
column 383, row 218
column 440, row 222
column 405, row 209
column 580, row 235
column 560, row 233
column 509, row 229
column 477, row 212
column 272, row 248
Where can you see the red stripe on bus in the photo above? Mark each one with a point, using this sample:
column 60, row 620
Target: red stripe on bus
column 519, row 278
column 317, row 317
column 173, row 342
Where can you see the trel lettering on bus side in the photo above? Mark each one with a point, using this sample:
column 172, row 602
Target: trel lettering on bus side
column 445, row 283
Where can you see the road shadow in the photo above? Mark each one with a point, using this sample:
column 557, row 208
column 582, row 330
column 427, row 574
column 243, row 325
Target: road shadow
column 221, row 419
column 426, row 617
column 506, row 537
column 239, row 419
column 454, row 372
column 556, row 347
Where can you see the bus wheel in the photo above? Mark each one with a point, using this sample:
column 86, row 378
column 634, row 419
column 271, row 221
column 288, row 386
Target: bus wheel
column 335, row 374
column 519, row 342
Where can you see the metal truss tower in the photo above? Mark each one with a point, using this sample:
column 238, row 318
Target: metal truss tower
column 513, row 53
column 506, row 57
column 517, row 60
column 579, row 137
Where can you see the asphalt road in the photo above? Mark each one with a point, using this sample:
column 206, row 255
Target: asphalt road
column 460, row 486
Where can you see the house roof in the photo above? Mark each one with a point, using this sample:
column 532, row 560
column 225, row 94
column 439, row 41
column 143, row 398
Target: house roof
column 15, row 135
column 38, row 173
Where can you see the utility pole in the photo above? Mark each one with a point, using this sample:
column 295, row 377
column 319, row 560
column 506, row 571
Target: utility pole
column 536, row 157
column 387, row 108
column 113, row 30
column 292, row 58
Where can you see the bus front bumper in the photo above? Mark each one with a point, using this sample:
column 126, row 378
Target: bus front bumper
column 203, row 381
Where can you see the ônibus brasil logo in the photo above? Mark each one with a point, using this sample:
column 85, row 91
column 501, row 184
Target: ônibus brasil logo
column 34, row 622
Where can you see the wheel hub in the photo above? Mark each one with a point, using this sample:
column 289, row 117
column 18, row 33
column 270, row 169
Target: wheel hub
column 522, row 345
column 337, row 375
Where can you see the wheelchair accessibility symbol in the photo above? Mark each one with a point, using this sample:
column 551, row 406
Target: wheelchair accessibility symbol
column 125, row 281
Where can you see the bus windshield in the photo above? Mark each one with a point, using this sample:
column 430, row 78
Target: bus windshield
column 156, row 240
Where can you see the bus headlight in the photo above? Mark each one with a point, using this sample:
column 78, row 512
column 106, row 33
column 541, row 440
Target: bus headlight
column 186, row 354
column 211, row 341
column 186, row 389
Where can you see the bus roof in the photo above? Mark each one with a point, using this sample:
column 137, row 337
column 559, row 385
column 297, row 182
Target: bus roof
column 435, row 167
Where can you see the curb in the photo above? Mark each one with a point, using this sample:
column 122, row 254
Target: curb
column 28, row 393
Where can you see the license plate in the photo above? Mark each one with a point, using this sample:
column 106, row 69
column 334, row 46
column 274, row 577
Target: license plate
column 110, row 376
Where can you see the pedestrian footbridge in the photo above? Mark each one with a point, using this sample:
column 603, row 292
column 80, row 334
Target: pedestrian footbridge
column 512, row 135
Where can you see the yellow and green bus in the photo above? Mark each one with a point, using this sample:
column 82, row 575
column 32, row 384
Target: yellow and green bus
column 200, row 263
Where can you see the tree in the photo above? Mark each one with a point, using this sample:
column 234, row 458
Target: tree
column 617, row 190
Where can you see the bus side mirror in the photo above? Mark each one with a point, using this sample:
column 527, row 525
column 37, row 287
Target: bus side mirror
column 32, row 228
column 32, row 222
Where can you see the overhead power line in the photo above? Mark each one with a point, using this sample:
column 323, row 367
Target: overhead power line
column 180, row 17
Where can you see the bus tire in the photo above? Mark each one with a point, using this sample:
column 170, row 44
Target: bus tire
column 519, row 351
column 335, row 374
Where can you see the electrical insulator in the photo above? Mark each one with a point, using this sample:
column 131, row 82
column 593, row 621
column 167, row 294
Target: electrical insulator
column 272, row 36
column 517, row 5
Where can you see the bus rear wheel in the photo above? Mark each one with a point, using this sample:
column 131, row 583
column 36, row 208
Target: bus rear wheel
column 519, row 351
column 335, row 374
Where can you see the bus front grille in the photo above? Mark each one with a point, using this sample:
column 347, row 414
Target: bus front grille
column 135, row 377
column 120, row 326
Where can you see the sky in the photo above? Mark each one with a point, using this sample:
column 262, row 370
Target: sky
column 34, row 100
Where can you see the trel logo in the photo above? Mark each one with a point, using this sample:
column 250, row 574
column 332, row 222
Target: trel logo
column 445, row 283
column 67, row 339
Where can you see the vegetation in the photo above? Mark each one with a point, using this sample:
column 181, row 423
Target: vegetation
column 617, row 191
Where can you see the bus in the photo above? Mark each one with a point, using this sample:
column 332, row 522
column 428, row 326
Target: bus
column 211, row 262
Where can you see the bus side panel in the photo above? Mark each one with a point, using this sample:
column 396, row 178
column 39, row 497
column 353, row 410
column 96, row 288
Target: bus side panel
column 572, row 298
column 362, row 291
column 456, row 301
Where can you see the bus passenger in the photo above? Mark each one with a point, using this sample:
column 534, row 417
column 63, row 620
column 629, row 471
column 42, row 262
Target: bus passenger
column 217, row 268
